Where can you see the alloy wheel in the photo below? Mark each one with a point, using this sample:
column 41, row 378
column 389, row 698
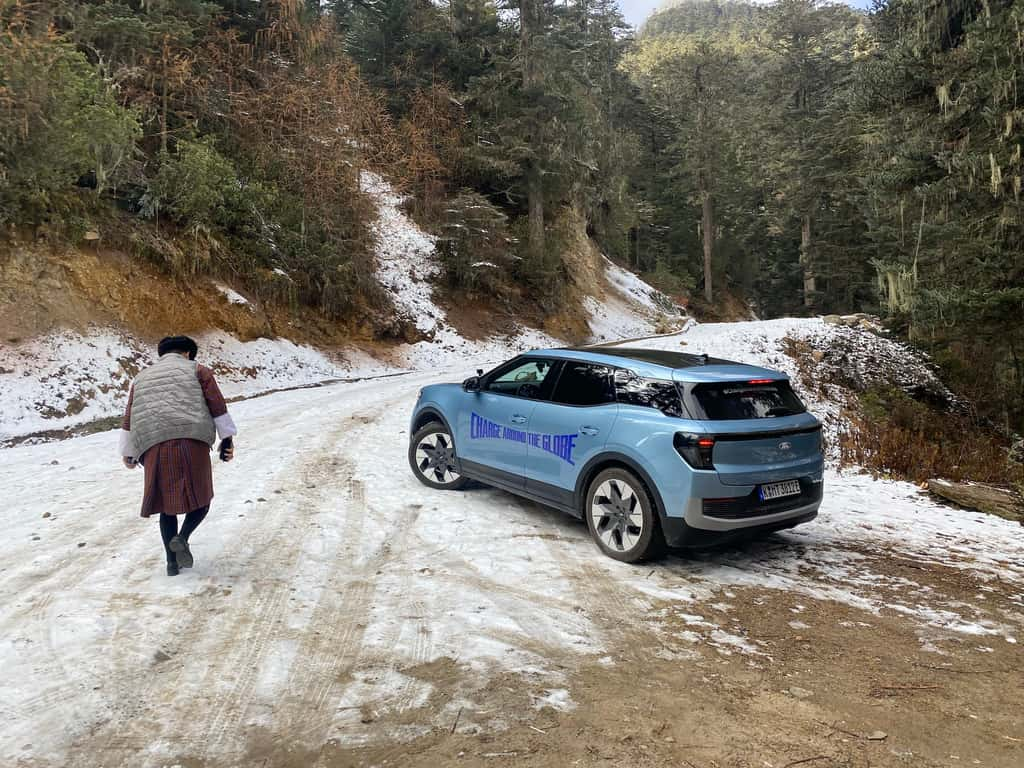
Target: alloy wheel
column 435, row 458
column 617, row 515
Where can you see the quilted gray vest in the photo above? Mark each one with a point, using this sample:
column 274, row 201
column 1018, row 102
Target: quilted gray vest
column 168, row 404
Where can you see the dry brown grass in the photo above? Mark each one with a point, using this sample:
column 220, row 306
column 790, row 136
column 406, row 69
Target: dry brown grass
column 916, row 437
column 932, row 445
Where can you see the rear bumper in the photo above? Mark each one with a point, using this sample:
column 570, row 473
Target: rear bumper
column 679, row 533
column 714, row 512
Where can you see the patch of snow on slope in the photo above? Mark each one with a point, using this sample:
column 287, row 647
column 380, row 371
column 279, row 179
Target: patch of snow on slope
column 233, row 296
column 405, row 256
column 407, row 268
column 631, row 308
column 66, row 378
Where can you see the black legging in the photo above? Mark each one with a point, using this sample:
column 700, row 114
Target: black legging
column 169, row 528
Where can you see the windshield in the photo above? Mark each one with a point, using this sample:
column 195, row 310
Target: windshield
column 733, row 400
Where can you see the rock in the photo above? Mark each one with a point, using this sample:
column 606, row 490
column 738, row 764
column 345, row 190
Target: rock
column 91, row 235
column 832, row 320
column 983, row 498
column 800, row 693
column 866, row 324
column 817, row 355
column 46, row 515
column 81, row 544
column 54, row 463
column 877, row 736
column 1016, row 452
column 160, row 656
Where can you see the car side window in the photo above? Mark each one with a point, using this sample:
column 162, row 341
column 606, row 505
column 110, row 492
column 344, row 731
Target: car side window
column 524, row 378
column 662, row 395
column 584, row 384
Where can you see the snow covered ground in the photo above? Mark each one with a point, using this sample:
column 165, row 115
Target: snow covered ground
column 329, row 586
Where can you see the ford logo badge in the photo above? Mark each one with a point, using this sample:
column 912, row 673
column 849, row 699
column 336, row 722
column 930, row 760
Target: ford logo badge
column 784, row 446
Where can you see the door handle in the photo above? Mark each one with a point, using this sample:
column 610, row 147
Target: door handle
column 589, row 430
column 518, row 419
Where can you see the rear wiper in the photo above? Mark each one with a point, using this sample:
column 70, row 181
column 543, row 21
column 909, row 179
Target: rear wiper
column 781, row 411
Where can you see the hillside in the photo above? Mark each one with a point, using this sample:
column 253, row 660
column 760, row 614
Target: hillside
column 80, row 323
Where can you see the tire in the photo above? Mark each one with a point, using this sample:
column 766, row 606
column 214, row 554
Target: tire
column 432, row 458
column 621, row 517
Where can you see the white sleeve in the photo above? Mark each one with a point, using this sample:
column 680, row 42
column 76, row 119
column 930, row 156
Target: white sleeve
column 225, row 426
column 124, row 443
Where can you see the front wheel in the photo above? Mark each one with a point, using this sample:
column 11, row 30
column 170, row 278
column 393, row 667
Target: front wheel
column 621, row 518
column 432, row 458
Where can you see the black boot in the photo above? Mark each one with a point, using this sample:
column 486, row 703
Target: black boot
column 172, row 569
column 179, row 547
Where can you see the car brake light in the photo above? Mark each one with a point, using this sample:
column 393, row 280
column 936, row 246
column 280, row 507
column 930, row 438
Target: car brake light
column 696, row 450
column 761, row 381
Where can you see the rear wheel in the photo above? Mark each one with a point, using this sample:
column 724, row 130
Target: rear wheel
column 432, row 458
column 621, row 518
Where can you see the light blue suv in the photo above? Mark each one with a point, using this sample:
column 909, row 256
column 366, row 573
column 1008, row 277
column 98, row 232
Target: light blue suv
column 649, row 447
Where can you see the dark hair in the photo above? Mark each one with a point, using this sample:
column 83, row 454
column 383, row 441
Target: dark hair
column 177, row 344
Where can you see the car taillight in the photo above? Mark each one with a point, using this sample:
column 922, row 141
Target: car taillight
column 695, row 449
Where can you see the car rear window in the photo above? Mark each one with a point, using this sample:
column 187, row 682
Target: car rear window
column 733, row 400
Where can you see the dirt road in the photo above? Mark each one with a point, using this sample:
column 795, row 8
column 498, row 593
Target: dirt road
column 340, row 614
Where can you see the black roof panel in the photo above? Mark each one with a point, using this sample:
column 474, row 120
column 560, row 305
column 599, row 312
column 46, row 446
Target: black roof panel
column 656, row 356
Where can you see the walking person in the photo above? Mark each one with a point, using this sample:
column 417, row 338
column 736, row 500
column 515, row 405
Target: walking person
column 175, row 412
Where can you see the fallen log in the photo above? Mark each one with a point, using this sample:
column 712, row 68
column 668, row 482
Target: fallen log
column 981, row 497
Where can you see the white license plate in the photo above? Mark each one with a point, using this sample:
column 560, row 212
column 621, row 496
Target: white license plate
column 778, row 490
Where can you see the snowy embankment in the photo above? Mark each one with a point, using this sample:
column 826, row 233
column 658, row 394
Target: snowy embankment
column 69, row 378
column 630, row 308
column 844, row 359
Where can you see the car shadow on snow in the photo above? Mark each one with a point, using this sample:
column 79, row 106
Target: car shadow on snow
column 776, row 549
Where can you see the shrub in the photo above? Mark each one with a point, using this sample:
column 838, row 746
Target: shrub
column 200, row 188
column 59, row 122
column 899, row 436
column 474, row 244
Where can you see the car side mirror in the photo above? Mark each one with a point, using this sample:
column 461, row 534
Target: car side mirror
column 472, row 384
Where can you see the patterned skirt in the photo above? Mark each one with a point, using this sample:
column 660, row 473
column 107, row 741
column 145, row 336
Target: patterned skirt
column 179, row 477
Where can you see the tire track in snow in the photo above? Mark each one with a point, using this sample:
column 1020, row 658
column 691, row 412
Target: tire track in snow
column 252, row 630
column 331, row 642
column 232, row 706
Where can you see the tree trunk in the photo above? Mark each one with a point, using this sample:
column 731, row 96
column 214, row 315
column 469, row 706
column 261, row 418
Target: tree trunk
column 535, row 197
column 707, row 225
column 806, row 262
column 163, row 100
column 528, row 23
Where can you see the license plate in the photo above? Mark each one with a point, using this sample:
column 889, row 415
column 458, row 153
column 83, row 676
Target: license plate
column 778, row 490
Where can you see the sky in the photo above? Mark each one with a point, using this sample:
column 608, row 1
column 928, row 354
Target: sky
column 636, row 11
